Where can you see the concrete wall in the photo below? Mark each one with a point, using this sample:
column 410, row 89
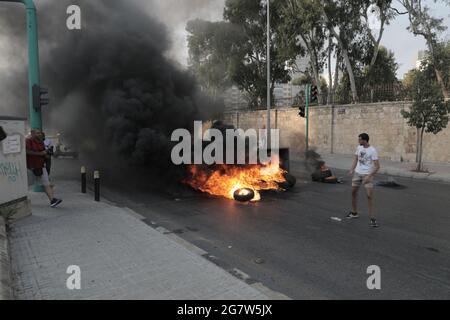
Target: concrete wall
column 335, row 129
column 13, row 169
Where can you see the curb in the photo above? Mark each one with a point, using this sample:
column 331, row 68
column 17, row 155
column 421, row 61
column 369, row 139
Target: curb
column 269, row 293
column 416, row 175
column 443, row 177
column 5, row 264
column 391, row 171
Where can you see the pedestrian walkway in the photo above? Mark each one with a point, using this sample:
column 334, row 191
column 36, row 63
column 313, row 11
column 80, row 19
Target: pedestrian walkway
column 436, row 172
column 119, row 256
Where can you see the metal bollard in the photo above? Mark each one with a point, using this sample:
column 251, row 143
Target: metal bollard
column 97, row 185
column 83, row 179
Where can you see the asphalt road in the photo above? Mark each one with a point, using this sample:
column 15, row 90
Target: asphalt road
column 289, row 242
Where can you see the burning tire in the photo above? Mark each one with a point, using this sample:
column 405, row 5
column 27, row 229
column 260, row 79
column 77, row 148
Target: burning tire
column 290, row 181
column 244, row 194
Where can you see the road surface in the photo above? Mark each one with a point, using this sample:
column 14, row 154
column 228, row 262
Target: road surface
column 292, row 243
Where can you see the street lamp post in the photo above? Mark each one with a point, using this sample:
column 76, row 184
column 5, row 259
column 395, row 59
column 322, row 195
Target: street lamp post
column 35, row 118
column 268, row 74
column 308, row 97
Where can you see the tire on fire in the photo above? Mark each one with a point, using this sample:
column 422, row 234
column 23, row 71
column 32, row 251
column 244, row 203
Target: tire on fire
column 290, row 181
column 244, row 194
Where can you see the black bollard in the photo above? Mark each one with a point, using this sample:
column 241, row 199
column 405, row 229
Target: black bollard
column 97, row 185
column 83, row 179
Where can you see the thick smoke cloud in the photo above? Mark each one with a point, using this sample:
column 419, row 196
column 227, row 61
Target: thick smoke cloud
column 113, row 92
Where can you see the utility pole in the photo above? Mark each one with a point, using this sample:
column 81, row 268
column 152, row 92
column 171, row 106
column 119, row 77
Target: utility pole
column 307, row 93
column 35, row 119
column 268, row 74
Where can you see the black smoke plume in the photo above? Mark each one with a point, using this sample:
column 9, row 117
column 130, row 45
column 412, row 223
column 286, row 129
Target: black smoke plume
column 114, row 94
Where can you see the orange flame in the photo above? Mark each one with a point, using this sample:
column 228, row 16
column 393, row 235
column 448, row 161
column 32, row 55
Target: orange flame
column 223, row 180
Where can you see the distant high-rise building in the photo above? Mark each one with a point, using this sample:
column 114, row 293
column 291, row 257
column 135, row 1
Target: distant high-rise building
column 421, row 56
column 284, row 93
column 234, row 98
column 302, row 64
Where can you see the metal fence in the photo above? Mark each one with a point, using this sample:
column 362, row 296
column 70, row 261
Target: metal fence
column 371, row 93
column 366, row 94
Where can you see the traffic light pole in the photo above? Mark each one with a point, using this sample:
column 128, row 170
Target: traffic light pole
column 268, row 137
column 35, row 119
column 307, row 93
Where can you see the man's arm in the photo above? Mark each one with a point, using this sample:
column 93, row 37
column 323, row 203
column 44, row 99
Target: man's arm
column 36, row 153
column 377, row 167
column 355, row 161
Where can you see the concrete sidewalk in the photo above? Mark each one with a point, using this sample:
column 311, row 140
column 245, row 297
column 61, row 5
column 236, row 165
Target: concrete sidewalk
column 119, row 255
column 437, row 172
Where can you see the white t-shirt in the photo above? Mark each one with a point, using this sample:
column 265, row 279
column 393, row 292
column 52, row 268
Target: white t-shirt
column 366, row 156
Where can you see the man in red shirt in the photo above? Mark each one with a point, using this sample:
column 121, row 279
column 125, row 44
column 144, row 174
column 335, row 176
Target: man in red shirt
column 36, row 155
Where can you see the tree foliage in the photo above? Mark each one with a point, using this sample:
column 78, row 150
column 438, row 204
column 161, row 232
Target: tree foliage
column 234, row 51
column 210, row 46
column 382, row 73
column 422, row 23
column 429, row 112
column 347, row 21
column 303, row 32
column 239, row 46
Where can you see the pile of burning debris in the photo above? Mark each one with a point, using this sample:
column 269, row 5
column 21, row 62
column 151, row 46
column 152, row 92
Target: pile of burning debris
column 241, row 182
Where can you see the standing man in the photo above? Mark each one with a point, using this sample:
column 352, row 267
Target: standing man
column 36, row 154
column 365, row 166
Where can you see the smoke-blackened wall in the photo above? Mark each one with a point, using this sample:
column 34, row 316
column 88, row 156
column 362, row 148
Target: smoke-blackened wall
column 113, row 93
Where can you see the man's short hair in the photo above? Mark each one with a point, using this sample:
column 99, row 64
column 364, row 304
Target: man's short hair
column 364, row 136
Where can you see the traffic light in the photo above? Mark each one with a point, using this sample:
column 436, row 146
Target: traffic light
column 314, row 93
column 302, row 112
column 2, row 134
column 39, row 98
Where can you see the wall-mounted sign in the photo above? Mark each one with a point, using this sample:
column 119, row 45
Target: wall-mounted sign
column 341, row 111
column 11, row 144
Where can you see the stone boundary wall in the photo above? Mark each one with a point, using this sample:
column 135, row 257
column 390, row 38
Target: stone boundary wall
column 335, row 129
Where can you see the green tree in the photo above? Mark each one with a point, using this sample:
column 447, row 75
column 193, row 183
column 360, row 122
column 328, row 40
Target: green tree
column 383, row 70
column 303, row 31
column 239, row 45
column 343, row 20
column 210, row 45
column 442, row 61
column 375, row 81
column 422, row 23
column 429, row 112
column 382, row 9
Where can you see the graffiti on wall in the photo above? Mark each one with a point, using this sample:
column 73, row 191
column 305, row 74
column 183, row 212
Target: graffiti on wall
column 10, row 170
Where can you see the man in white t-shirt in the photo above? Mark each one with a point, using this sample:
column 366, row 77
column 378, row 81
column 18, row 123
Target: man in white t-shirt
column 365, row 166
